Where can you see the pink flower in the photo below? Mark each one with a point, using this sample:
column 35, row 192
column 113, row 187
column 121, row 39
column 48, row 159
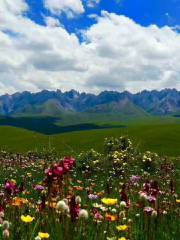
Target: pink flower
column 11, row 187
column 98, row 216
column 148, row 210
column 135, row 179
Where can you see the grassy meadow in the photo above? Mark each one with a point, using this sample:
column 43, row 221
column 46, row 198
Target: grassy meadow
column 161, row 135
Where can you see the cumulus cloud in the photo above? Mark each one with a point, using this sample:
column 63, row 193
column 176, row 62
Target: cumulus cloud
column 116, row 53
column 69, row 7
column 15, row 7
column 132, row 56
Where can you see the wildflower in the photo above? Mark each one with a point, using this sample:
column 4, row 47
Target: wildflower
column 92, row 196
column 27, row 219
column 113, row 210
column 83, row 214
column 18, row 202
column 154, row 213
column 151, row 199
column 37, row 238
column 109, row 201
column 165, row 212
column 135, row 179
column 5, row 225
column 122, row 204
column 6, row 233
column 78, row 199
column 122, row 238
column 111, row 218
column 61, row 205
column 122, row 227
column 78, row 188
column 74, row 209
column 10, row 187
column 122, row 214
column 177, row 200
column 43, row 235
column 39, row 188
column 1, row 214
column 148, row 210
column 98, row 216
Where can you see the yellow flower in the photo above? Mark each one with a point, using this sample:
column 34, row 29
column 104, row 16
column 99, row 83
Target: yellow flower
column 43, row 235
column 13, row 181
column 27, row 219
column 122, row 238
column 177, row 200
column 122, row 227
column 109, row 201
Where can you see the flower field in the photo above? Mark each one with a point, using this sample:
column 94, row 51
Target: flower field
column 118, row 195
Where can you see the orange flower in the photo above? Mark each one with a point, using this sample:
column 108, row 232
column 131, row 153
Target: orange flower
column 79, row 188
column 111, row 218
column 100, row 194
column 19, row 202
column 52, row 204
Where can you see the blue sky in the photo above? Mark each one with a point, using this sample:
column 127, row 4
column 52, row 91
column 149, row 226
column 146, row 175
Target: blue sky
column 159, row 12
column 89, row 45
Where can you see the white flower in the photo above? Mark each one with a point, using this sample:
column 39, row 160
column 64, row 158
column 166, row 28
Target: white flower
column 5, row 225
column 62, row 206
column 154, row 213
column 113, row 210
column 78, row 199
column 37, row 238
column 122, row 204
column 83, row 214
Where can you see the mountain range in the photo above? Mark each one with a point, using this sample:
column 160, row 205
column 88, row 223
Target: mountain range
column 48, row 103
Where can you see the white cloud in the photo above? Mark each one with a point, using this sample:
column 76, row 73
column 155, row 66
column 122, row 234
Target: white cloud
column 70, row 7
column 117, row 54
column 52, row 22
column 13, row 6
column 130, row 56
column 92, row 3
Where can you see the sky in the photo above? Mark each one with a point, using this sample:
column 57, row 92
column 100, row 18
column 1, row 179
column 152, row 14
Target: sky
column 89, row 45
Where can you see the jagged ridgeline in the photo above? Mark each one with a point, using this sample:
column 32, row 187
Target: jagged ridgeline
column 162, row 102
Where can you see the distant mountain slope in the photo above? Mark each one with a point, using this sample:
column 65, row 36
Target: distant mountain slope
column 154, row 102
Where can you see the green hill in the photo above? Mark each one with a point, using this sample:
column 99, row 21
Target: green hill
column 155, row 134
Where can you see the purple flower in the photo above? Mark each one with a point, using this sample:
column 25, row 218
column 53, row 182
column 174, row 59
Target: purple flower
column 92, row 196
column 151, row 199
column 135, row 179
column 39, row 188
column 148, row 210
